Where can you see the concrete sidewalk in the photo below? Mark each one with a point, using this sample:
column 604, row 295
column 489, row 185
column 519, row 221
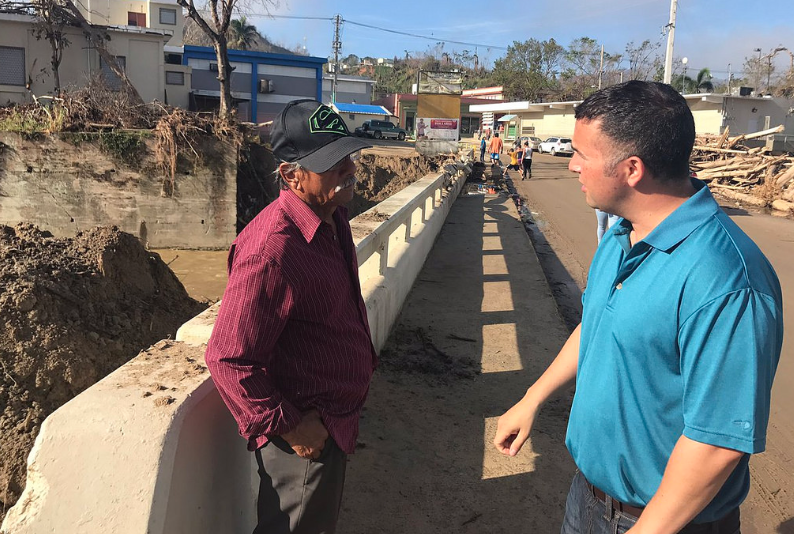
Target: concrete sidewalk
column 478, row 327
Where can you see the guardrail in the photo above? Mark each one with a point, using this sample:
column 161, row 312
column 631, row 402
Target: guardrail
column 152, row 449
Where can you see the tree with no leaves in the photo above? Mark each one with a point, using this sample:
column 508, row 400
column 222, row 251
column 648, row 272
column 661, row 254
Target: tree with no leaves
column 51, row 17
column 219, row 13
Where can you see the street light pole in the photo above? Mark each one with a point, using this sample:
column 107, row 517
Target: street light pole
column 683, row 80
column 769, row 57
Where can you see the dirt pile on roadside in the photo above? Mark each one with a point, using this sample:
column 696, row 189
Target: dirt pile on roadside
column 379, row 177
column 72, row 311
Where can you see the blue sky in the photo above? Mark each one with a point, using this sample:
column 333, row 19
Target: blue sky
column 710, row 33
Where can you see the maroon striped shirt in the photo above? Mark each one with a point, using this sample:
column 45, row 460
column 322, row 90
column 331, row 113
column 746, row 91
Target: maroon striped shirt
column 292, row 332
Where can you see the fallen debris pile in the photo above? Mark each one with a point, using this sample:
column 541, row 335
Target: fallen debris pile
column 72, row 311
column 727, row 166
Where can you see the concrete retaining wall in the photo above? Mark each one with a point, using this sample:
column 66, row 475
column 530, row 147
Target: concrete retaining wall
column 152, row 449
column 65, row 184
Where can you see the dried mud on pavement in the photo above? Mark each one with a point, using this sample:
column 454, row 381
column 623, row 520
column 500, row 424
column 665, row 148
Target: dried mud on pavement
column 478, row 327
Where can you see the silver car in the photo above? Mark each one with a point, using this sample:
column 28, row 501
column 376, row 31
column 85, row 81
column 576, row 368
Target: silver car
column 534, row 142
column 556, row 145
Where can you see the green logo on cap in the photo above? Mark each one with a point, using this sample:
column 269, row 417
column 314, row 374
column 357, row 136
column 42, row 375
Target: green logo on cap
column 326, row 120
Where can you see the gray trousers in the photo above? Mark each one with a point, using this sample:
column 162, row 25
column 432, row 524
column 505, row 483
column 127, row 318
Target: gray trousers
column 299, row 496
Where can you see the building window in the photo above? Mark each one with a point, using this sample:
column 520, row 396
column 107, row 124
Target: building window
column 352, row 116
column 173, row 59
column 12, row 66
column 136, row 19
column 113, row 82
column 168, row 16
column 174, row 78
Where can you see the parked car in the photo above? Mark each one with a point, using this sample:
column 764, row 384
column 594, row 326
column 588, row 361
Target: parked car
column 534, row 142
column 556, row 145
column 380, row 130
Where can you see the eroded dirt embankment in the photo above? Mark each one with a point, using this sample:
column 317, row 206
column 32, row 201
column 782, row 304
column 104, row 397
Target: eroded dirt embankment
column 380, row 176
column 72, row 311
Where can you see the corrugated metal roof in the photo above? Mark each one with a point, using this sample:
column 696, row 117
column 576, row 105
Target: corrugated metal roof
column 361, row 108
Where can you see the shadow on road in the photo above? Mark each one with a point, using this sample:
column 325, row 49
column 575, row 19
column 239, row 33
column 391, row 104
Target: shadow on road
column 425, row 461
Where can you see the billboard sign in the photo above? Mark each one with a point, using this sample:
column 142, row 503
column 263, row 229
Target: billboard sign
column 436, row 128
column 440, row 83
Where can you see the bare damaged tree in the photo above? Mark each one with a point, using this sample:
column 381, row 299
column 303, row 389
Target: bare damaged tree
column 98, row 37
column 51, row 17
column 51, row 26
column 50, row 21
column 217, row 29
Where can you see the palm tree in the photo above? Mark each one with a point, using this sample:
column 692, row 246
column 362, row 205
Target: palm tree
column 683, row 83
column 703, row 81
column 241, row 34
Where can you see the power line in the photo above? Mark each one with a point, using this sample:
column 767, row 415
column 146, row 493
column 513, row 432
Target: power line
column 423, row 36
column 388, row 30
column 298, row 17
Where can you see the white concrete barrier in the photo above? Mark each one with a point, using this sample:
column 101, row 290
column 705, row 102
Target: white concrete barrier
column 151, row 449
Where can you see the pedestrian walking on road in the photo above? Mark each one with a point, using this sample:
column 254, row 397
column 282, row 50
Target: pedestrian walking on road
column 526, row 162
column 291, row 353
column 681, row 332
column 483, row 146
column 496, row 147
column 604, row 221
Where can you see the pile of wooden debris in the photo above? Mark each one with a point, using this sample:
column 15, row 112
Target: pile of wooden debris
column 747, row 174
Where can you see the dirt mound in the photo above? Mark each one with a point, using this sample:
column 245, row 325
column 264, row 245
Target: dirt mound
column 72, row 311
column 379, row 177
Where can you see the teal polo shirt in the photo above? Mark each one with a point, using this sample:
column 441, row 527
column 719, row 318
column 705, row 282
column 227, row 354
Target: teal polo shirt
column 681, row 334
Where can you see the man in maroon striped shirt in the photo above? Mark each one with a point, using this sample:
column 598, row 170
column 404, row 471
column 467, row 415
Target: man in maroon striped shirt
column 291, row 352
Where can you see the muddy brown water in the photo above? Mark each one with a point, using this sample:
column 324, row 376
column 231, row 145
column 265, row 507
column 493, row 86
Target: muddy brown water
column 202, row 272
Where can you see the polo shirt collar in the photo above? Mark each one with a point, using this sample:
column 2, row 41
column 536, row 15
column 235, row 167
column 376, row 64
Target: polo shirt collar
column 300, row 213
column 682, row 222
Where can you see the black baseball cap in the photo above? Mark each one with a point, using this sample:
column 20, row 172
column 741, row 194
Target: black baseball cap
column 312, row 134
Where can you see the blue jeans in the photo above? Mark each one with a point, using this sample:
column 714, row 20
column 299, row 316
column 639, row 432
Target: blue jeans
column 584, row 514
column 605, row 222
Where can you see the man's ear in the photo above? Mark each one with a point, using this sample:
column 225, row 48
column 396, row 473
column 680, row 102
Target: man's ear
column 635, row 170
column 291, row 176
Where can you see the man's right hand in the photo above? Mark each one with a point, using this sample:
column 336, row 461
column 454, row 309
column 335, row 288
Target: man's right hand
column 308, row 438
column 514, row 426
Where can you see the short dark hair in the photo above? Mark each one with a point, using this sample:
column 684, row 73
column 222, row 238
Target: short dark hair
column 649, row 120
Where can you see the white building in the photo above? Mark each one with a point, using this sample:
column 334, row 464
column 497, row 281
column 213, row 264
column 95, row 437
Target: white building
column 712, row 113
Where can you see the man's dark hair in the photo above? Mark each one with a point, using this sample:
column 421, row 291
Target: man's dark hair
column 649, row 120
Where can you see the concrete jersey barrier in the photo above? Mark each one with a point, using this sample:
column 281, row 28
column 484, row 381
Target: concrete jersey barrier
column 152, row 449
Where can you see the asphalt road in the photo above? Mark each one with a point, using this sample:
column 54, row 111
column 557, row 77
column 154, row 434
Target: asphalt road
column 567, row 229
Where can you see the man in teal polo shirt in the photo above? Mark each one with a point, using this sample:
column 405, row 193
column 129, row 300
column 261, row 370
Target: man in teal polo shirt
column 680, row 336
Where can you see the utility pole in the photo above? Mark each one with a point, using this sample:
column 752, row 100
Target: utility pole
column 337, row 46
column 668, row 57
column 758, row 72
column 730, row 78
column 768, row 69
column 601, row 68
